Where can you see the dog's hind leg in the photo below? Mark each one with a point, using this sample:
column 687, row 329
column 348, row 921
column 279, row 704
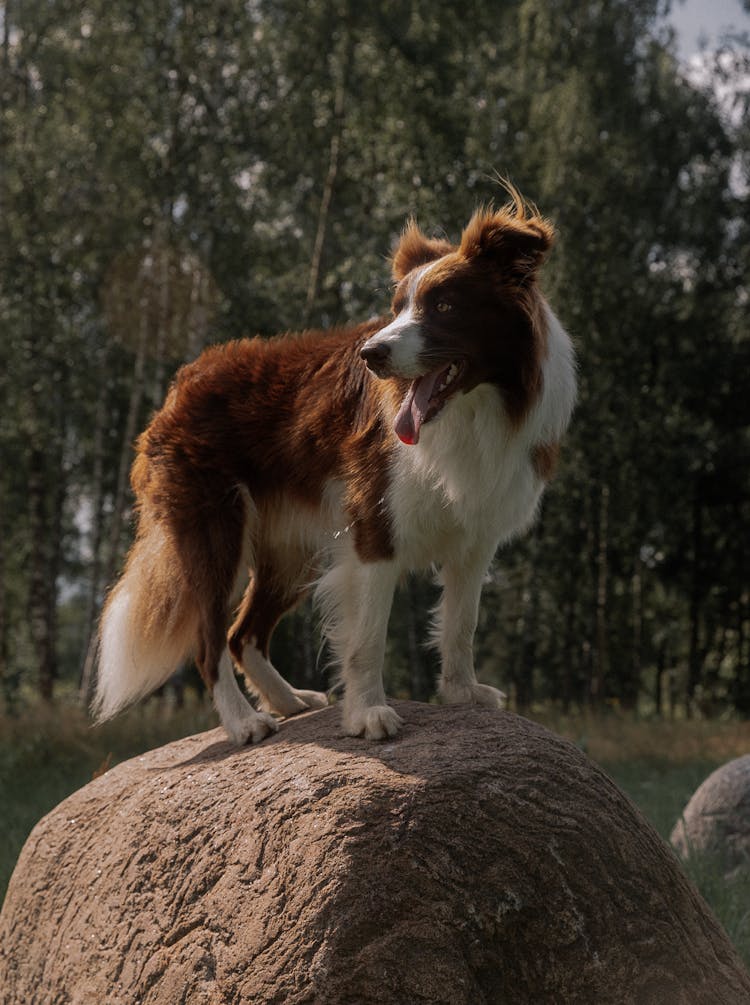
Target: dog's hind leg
column 267, row 598
column 211, row 554
column 240, row 720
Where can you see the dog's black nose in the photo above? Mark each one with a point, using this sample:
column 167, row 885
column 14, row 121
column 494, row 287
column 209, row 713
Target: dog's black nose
column 376, row 356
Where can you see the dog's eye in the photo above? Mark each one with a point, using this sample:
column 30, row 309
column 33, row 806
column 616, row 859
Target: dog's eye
column 442, row 306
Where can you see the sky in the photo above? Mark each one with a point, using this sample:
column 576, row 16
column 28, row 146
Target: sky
column 696, row 18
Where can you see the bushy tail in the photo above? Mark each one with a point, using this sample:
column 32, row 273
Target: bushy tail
column 148, row 626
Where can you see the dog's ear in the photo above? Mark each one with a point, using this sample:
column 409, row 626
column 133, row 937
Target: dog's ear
column 518, row 243
column 414, row 249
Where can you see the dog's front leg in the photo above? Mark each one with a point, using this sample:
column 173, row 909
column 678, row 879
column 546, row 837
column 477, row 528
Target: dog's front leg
column 455, row 624
column 356, row 599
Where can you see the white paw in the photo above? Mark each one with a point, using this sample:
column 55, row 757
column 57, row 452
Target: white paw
column 312, row 699
column 293, row 702
column 473, row 694
column 250, row 727
column 375, row 722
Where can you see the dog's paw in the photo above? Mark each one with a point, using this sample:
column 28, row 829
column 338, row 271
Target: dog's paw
column 293, row 701
column 312, row 699
column 473, row 694
column 250, row 727
column 376, row 722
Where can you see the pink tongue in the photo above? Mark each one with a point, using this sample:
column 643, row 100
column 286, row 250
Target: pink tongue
column 413, row 409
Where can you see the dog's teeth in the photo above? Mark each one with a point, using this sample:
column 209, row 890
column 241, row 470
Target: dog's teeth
column 449, row 377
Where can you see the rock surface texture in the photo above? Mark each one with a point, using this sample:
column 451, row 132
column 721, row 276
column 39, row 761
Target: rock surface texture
column 477, row 859
column 717, row 818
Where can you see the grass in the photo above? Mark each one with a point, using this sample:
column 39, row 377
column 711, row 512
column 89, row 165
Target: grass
column 48, row 753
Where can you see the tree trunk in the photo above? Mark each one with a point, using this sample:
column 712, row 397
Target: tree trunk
column 45, row 524
column 742, row 671
column 527, row 642
column 569, row 678
column 632, row 684
column 600, row 648
column 661, row 663
column 126, row 452
column 5, row 686
column 305, row 652
column 334, row 151
column 97, row 533
column 112, row 545
column 420, row 683
column 741, row 682
column 695, row 655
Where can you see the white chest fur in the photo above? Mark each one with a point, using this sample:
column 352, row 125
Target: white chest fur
column 470, row 482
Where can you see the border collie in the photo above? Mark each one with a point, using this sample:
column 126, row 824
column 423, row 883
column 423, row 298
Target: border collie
column 338, row 461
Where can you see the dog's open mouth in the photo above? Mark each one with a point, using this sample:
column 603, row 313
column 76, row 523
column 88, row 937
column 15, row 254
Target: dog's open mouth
column 424, row 400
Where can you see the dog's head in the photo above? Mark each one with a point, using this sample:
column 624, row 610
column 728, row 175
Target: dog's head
column 465, row 315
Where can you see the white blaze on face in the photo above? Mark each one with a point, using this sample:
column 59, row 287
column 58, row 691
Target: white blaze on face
column 404, row 338
column 404, row 335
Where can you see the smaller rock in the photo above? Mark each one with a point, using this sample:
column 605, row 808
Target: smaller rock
column 716, row 820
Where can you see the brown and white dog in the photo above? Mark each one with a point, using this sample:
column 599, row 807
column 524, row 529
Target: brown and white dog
column 339, row 460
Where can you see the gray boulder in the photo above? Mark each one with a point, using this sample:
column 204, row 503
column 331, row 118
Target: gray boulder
column 717, row 817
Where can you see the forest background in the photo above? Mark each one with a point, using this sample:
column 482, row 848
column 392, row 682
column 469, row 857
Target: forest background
column 180, row 173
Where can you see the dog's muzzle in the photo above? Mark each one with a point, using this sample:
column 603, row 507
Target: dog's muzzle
column 395, row 351
column 377, row 355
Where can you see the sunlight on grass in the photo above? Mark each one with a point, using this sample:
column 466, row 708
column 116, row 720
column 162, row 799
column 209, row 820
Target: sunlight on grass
column 613, row 737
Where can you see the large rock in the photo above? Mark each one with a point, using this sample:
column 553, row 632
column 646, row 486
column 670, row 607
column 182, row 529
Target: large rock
column 477, row 859
column 717, row 817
